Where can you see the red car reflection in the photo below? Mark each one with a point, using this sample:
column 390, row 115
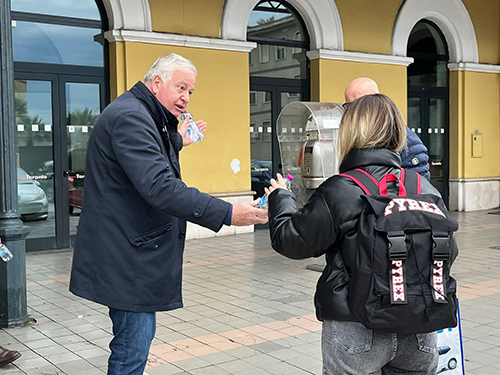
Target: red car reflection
column 75, row 191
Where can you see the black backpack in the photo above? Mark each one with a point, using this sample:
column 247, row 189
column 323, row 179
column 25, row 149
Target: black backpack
column 401, row 279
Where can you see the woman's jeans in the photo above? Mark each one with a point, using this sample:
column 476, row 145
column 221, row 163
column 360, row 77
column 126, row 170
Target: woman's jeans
column 133, row 333
column 350, row 348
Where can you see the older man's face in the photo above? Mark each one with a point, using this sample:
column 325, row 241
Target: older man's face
column 176, row 93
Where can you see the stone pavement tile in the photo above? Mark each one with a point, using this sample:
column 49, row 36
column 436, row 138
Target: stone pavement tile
column 76, row 366
column 241, row 366
column 99, row 361
column 165, row 369
column 211, row 370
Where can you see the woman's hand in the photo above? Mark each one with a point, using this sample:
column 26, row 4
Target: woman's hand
column 279, row 183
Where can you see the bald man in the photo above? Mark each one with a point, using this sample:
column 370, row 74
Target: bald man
column 415, row 155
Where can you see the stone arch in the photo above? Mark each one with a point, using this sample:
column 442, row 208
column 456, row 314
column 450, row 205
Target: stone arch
column 321, row 17
column 128, row 14
column 450, row 16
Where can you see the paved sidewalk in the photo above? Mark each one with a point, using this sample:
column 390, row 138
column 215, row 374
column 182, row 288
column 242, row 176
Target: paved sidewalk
column 248, row 311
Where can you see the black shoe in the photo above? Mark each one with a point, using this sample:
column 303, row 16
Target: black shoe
column 8, row 356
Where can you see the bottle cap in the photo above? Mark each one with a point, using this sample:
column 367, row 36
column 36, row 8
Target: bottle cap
column 289, row 176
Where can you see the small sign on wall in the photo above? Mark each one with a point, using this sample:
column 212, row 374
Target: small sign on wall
column 477, row 145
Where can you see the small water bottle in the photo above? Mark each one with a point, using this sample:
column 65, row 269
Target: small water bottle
column 193, row 130
column 5, row 253
column 288, row 181
column 263, row 202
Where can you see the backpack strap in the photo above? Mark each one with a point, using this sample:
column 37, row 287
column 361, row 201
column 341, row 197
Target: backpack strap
column 412, row 181
column 364, row 180
column 440, row 254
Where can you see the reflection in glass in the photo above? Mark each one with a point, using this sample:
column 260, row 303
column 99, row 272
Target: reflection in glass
column 33, row 114
column 68, row 8
column 82, row 111
column 280, row 38
column 414, row 120
column 436, row 142
column 423, row 72
column 261, row 142
column 56, row 44
column 427, row 46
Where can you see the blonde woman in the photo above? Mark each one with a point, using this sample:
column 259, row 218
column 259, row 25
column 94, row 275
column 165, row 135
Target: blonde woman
column 371, row 133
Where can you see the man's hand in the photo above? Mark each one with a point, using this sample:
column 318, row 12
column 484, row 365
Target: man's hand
column 186, row 139
column 247, row 214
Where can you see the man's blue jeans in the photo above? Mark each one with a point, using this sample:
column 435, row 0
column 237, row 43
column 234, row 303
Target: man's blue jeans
column 351, row 349
column 133, row 333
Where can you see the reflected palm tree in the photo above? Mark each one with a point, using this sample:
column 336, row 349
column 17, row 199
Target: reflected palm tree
column 84, row 116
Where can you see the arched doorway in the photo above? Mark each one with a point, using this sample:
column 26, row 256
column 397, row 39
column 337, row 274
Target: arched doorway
column 60, row 89
column 279, row 74
column 428, row 98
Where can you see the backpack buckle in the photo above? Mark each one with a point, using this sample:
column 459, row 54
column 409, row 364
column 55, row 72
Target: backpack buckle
column 441, row 248
column 397, row 246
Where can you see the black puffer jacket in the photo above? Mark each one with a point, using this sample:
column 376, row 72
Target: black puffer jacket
column 327, row 224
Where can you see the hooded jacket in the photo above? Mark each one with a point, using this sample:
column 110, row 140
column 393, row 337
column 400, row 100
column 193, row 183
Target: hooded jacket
column 328, row 223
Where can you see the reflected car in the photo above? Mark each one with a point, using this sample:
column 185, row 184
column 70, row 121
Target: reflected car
column 260, row 176
column 75, row 193
column 447, row 360
column 32, row 201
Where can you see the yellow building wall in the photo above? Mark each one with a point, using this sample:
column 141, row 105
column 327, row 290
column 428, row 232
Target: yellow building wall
column 329, row 79
column 481, row 108
column 187, row 17
column 457, row 95
column 367, row 25
column 485, row 16
column 221, row 99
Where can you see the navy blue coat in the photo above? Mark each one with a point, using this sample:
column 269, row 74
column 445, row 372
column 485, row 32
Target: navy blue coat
column 415, row 155
column 130, row 240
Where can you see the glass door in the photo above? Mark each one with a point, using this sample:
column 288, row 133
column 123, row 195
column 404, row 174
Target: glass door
column 35, row 121
column 427, row 117
column 83, row 107
column 266, row 103
column 55, row 114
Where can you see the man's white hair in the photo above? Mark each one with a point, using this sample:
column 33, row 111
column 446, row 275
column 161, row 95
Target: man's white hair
column 164, row 66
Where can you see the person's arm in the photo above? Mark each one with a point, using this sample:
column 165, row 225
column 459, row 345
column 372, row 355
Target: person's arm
column 137, row 146
column 299, row 234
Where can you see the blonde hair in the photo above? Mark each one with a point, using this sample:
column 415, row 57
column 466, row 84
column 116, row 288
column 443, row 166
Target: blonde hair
column 372, row 121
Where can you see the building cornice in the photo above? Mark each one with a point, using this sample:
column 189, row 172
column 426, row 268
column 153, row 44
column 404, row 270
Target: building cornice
column 359, row 57
column 473, row 67
column 178, row 40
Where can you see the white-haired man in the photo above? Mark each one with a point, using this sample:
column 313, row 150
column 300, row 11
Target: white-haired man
column 130, row 240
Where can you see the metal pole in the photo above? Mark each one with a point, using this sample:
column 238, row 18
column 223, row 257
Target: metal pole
column 13, row 306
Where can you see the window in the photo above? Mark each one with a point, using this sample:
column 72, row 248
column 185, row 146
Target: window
column 297, row 36
column 266, row 131
column 281, row 52
column 267, row 97
column 263, row 53
column 253, row 98
column 57, row 32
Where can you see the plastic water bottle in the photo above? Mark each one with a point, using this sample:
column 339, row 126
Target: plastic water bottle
column 193, row 130
column 5, row 253
column 288, row 181
column 263, row 201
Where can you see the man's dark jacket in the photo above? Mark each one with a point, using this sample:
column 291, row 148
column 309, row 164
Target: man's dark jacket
column 415, row 155
column 328, row 224
column 130, row 240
